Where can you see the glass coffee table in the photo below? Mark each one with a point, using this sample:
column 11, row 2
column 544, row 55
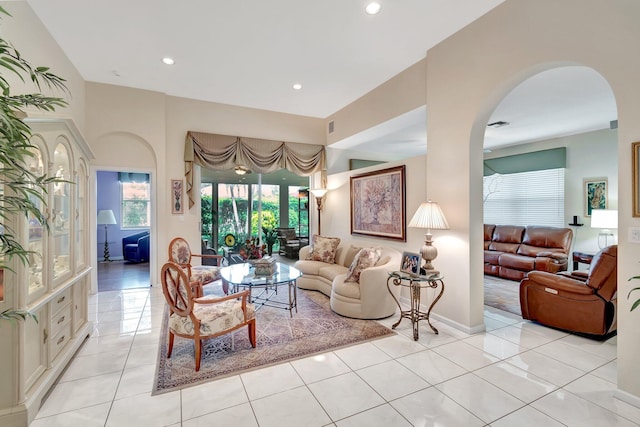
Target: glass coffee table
column 264, row 289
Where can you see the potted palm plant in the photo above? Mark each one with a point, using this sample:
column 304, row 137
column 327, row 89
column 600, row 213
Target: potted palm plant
column 19, row 186
column 636, row 303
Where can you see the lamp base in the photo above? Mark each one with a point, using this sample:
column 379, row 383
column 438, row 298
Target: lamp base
column 428, row 253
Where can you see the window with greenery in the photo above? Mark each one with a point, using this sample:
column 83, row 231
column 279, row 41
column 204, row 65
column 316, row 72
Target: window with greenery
column 136, row 206
column 525, row 198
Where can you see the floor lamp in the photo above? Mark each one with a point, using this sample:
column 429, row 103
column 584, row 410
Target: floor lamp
column 429, row 216
column 319, row 193
column 106, row 217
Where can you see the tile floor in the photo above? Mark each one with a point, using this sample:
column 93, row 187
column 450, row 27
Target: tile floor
column 515, row 374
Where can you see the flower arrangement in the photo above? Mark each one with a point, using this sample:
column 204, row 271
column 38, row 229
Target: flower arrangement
column 252, row 249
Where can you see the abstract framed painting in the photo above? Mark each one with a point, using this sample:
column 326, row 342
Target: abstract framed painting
column 595, row 194
column 378, row 204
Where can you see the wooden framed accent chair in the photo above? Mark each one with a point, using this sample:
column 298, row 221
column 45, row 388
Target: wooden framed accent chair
column 202, row 318
column 579, row 303
column 180, row 253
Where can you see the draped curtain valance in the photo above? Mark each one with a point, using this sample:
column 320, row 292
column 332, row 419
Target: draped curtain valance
column 224, row 152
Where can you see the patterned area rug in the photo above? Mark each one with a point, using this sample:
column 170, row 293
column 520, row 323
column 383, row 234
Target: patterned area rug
column 313, row 329
column 503, row 294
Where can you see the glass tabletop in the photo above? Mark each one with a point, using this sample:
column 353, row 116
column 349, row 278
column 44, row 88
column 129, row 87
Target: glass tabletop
column 416, row 277
column 243, row 274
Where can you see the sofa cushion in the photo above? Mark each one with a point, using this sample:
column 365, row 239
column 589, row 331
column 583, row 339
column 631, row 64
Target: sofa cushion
column 323, row 249
column 330, row 271
column 310, row 267
column 367, row 257
column 508, row 234
column 346, row 289
column 492, row 257
column 517, row 262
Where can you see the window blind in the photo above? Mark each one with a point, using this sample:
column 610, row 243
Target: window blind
column 526, row 198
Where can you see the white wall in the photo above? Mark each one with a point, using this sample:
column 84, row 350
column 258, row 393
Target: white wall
column 589, row 155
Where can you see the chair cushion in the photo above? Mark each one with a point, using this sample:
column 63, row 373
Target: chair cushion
column 214, row 318
column 205, row 273
column 367, row 257
column 180, row 252
column 329, row 272
column 346, row 289
column 323, row 249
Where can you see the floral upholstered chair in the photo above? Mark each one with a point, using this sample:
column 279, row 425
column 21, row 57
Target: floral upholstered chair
column 180, row 253
column 201, row 318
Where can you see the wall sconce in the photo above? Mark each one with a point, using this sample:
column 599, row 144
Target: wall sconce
column 606, row 219
column 106, row 217
column 319, row 194
column 429, row 216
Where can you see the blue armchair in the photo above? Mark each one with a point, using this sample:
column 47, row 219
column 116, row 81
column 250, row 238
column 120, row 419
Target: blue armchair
column 135, row 248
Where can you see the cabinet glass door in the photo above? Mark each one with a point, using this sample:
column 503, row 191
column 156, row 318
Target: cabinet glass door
column 81, row 186
column 36, row 233
column 61, row 215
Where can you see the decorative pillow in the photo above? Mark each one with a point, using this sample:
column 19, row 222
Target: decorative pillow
column 367, row 257
column 350, row 256
column 323, row 249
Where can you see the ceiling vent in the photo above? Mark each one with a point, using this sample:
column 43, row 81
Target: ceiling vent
column 613, row 124
column 498, row 124
column 331, row 126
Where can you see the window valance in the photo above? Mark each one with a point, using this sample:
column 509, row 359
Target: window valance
column 538, row 160
column 224, row 152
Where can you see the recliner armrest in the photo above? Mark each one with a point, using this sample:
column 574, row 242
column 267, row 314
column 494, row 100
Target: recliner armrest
column 557, row 256
column 558, row 282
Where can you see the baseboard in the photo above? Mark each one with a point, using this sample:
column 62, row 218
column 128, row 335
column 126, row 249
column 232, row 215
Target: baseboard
column 449, row 322
column 627, row 397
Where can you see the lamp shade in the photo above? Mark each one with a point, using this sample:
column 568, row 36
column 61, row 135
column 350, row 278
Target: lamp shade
column 429, row 216
column 106, row 217
column 318, row 192
column 604, row 218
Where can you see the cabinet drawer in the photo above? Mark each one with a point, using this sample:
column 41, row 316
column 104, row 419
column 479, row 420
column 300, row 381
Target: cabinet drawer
column 61, row 300
column 60, row 319
column 60, row 340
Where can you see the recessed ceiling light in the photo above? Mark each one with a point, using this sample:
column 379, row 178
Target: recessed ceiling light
column 373, row 8
column 297, row 86
column 167, row 60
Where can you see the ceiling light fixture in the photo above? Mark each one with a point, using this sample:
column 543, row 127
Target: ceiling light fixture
column 297, row 86
column 241, row 170
column 168, row 61
column 373, row 8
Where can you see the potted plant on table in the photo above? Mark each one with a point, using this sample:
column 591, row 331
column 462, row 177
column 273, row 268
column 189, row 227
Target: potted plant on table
column 270, row 238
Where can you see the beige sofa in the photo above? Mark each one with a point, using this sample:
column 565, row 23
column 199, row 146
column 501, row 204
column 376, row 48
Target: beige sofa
column 368, row 299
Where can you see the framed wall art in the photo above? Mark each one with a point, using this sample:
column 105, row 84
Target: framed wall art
column 177, row 196
column 595, row 194
column 635, row 158
column 378, row 203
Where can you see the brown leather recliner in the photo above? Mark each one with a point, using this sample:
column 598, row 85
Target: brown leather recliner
column 569, row 303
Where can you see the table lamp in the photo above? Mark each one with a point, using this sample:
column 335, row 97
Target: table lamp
column 429, row 216
column 606, row 219
column 106, row 217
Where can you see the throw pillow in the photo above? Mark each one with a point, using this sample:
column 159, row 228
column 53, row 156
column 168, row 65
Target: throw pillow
column 367, row 257
column 323, row 249
column 350, row 256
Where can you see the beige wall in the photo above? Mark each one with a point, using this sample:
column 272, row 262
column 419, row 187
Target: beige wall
column 34, row 43
column 400, row 94
column 467, row 77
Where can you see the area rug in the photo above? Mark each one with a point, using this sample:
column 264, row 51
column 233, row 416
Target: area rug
column 313, row 329
column 502, row 294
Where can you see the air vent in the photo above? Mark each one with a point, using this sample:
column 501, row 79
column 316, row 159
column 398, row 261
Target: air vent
column 498, row 124
column 331, row 126
column 613, row 124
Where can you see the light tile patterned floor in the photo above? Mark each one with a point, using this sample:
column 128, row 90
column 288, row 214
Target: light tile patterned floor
column 517, row 373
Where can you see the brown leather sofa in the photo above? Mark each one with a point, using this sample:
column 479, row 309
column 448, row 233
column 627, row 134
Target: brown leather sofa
column 570, row 303
column 512, row 251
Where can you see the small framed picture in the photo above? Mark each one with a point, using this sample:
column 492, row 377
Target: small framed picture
column 410, row 263
column 595, row 194
column 177, row 197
